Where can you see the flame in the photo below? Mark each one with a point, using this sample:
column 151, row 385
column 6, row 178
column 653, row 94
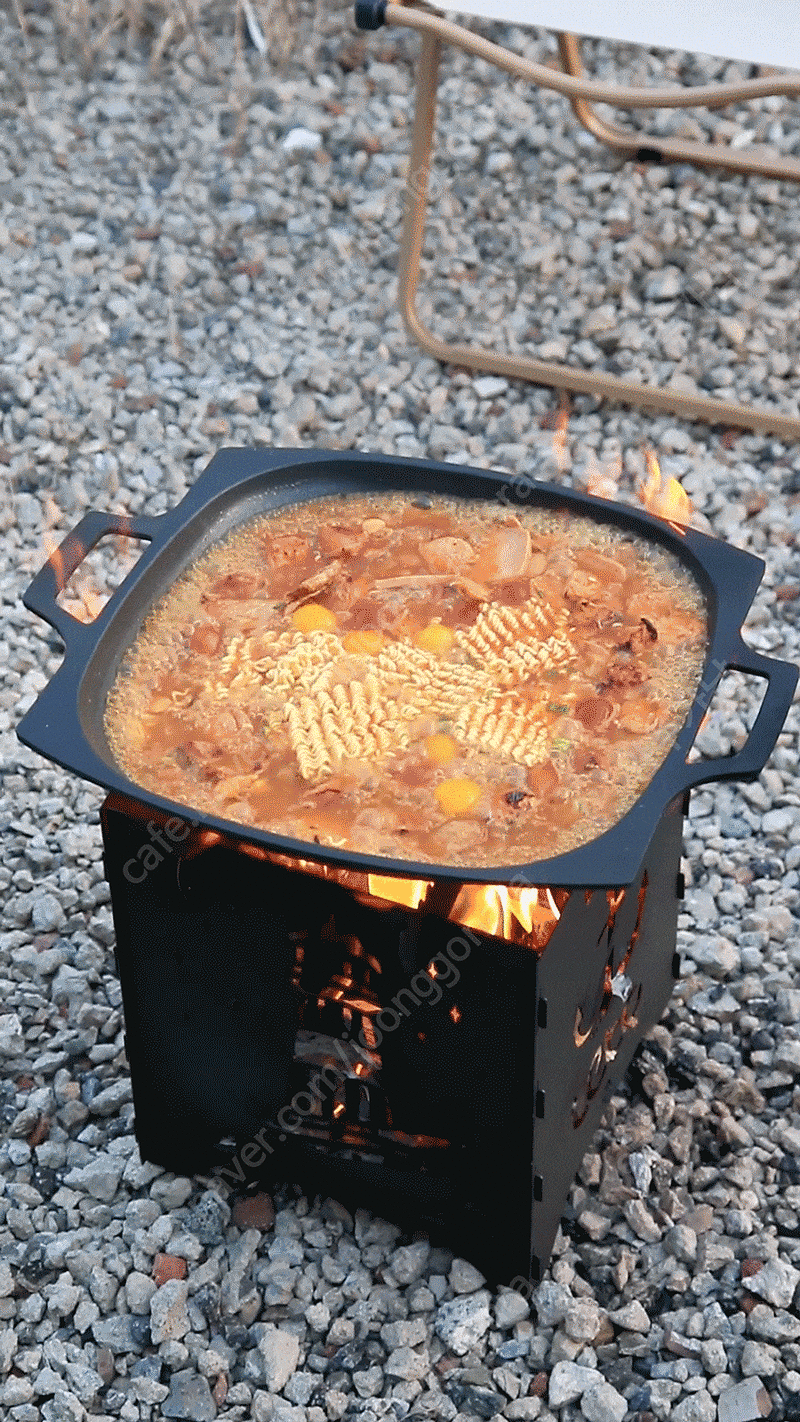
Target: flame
column 53, row 555
column 255, row 851
column 80, row 594
column 408, row 892
column 664, row 497
column 483, row 906
column 82, row 602
column 508, row 911
column 525, row 914
column 560, row 452
column 502, row 910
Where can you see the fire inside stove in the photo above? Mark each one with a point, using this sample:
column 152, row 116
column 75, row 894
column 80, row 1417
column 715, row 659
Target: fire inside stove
column 436, row 1049
column 351, row 994
column 345, row 1011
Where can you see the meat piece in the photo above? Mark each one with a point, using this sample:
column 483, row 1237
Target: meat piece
column 473, row 590
column 310, row 587
column 594, row 712
column 625, row 670
column 409, row 580
column 543, row 779
column 290, row 548
column 586, row 758
column 205, row 638
column 680, row 627
column 345, row 592
column 639, row 717
column 582, row 587
column 587, row 613
column 600, row 566
column 638, row 638
column 594, row 655
column 238, row 587
column 339, row 541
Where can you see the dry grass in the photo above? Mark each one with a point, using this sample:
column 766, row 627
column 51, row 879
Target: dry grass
column 218, row 31
column 229, row 42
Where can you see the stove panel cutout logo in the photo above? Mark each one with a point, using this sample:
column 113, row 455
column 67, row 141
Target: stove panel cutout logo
column 613, row 1008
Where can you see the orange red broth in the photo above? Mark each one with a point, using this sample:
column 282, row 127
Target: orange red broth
column 434, row 680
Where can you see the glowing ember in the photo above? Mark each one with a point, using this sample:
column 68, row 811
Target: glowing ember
column 664, row 497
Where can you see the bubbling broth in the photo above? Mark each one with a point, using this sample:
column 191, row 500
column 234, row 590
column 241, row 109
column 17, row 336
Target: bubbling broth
column 425, row 679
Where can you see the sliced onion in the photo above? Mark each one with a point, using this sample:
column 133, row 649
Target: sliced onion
column 448, row 555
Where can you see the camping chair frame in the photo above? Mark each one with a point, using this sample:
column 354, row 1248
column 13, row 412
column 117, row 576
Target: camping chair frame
column 436, row 31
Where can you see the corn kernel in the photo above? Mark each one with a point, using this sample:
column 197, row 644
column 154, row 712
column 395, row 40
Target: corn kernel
column 365, row 643
column 459, row 796
column 435, row 638
column 440, row 749
column 313, row 617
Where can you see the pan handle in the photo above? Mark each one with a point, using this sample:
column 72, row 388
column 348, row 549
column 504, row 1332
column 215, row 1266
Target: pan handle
column 746, row 764
column 40, row 597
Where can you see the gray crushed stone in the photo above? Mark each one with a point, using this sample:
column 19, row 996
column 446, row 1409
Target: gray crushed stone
column 164, row 295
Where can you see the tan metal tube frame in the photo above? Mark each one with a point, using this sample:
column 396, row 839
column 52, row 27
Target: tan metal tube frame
column 436, row 31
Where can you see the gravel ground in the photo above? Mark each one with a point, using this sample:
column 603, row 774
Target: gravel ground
column 162, row 296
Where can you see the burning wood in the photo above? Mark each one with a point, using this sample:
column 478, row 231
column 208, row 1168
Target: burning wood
column 509, row 911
